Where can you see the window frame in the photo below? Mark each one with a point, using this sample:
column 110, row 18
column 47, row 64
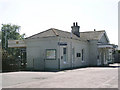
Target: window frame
column 51, row 58
column 66, row 60
column 78, row 55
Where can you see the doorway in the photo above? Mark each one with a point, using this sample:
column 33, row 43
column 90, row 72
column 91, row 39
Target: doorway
column 99, row 59
column 63, row 51
column 65, row 54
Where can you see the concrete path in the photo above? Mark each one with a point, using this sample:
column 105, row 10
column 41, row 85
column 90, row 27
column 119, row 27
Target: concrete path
column 92, row 77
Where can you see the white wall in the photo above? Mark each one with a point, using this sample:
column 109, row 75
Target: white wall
column 78, row 46
column 93, row 52
column 103, row 40
column 36, row 49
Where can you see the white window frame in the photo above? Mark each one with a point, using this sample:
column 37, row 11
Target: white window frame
column 54, row 53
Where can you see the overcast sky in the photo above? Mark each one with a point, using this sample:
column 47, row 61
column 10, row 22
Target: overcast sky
column 35, row 16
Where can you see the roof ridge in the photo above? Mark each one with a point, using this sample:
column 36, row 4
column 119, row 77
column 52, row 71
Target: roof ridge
column 55, row 32
column 38, row 33
column 93, row 31
column 62, row 30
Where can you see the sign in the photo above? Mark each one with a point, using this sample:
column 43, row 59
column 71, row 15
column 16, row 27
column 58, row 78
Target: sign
column 16, row 43
column 62, row 43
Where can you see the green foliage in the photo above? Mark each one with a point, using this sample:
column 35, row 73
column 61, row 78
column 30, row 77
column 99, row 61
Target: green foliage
column 10, row 56
column 10, row 32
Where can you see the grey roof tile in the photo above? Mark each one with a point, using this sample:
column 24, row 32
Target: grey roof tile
column 89, row 35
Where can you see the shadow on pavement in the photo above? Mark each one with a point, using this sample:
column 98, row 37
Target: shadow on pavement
column 83, row 67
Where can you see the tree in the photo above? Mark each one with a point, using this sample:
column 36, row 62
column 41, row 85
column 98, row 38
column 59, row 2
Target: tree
column 10, row 32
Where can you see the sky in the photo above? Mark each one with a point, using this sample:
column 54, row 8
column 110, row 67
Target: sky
column 35, row 16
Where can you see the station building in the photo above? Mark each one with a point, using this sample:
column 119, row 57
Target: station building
column 55, row 49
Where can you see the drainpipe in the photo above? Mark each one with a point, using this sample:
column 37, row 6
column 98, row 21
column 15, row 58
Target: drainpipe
column 59, row 56
column 44, row 64
column 71, row 53
column 33, row 63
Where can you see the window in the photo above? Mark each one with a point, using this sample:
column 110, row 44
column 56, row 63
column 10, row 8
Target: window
column 65, row 54
column 78, row 55
column 64, row 50
column 98, row 57
column 82, row 54
column 51, row 54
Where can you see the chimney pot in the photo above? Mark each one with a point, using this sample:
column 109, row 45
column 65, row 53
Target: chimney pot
column 76, row 24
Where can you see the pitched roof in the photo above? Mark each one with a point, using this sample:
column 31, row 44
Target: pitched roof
column 89, row 35
column 92, row 35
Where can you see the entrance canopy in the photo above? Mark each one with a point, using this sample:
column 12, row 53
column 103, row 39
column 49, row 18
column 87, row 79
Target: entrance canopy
column 109, row 46
column 16, row 44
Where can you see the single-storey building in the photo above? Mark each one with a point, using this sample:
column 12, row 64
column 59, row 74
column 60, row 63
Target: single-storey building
column 55, row 49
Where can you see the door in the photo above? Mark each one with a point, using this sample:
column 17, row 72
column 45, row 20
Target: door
column 63, row 55
column 104, row 58
column 99, row 59
column 105, row 61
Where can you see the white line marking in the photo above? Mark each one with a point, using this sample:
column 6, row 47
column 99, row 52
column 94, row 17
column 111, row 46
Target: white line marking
column 106, row 82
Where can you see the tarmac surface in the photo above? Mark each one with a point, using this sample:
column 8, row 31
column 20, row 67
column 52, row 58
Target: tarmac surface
column 90, row 77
